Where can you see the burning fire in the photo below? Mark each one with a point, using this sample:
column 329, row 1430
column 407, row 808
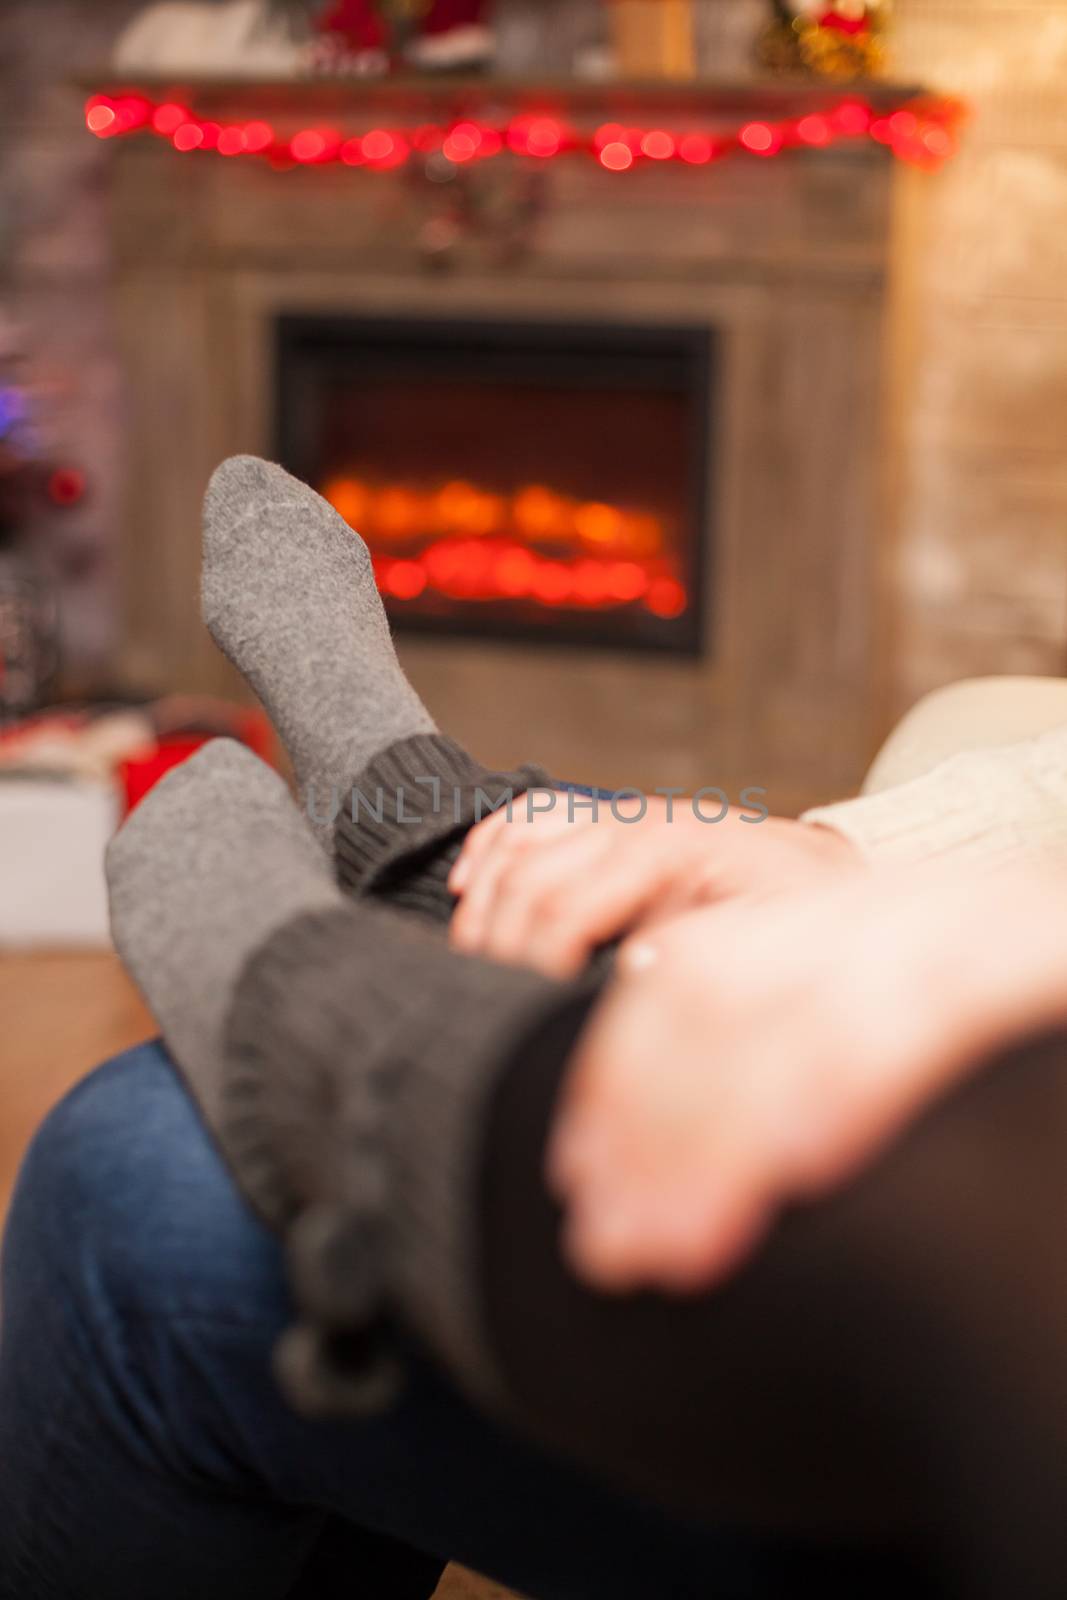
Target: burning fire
column 470, row 544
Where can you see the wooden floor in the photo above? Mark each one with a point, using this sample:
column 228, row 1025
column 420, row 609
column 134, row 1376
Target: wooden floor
column 60, row 1016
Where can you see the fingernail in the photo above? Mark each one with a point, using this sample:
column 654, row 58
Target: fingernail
column 458, row 875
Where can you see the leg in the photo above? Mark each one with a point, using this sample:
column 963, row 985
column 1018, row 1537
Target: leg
column 373, row 1069
column 891, row 1365
column 135, row 1284
column 893, row 1362
column 289, row 595
column 897, row 1351
column 145, row 1450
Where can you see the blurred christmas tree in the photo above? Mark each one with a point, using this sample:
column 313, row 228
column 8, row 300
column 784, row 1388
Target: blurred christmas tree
column 31, row 485
column 15, row 463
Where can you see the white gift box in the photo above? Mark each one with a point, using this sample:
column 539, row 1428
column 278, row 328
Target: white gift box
column 53, row 834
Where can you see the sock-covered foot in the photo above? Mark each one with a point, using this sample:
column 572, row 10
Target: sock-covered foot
column 211, row 864
column 289, row 596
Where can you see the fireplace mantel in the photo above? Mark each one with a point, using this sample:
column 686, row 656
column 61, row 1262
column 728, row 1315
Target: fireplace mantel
column 792, row 262
column 709, row 98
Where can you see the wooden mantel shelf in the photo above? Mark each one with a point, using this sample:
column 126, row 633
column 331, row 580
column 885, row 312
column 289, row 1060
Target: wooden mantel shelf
column 706, row 100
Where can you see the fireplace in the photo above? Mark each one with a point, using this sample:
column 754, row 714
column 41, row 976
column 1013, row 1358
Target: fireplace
column 692, row 359
column 516, row 479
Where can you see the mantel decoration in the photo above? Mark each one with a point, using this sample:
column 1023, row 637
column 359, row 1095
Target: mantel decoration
column 33, row 485
column 653, row 38
column 920, row 131
column 640, row 39
column 295, row 38
column 839, row 39
column 431, row 35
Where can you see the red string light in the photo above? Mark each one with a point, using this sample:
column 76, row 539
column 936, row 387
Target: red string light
column 308, row 145
column 66, row 486
column 100, row 120
column 188, row 136
column 167, row 118
column 814, row 130
column 616, row 156
column 922, row 132
column 696, row 149
column 760, row 138
column 658, row 145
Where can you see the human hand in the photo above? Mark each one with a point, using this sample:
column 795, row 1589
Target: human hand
column 753, row 1055
column 546, row 890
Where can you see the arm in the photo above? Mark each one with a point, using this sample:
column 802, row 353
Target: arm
column 1001, row 804
column 791, row 1041
column 547, row 892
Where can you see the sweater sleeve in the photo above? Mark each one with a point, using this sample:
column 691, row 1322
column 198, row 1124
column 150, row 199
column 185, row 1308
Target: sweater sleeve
column 995, row 805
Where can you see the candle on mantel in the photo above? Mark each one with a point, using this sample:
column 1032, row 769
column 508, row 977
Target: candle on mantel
column 654, row 38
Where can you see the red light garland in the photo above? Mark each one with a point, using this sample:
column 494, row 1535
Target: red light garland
column 922, row 132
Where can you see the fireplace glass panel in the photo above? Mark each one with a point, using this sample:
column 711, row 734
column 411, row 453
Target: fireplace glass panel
column 512, row 480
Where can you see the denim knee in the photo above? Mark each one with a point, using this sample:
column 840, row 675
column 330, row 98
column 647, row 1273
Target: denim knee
column 124, row 1200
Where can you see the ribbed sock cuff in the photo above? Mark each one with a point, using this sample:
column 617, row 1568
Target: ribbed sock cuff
column 362, row 1055
column 405, row 818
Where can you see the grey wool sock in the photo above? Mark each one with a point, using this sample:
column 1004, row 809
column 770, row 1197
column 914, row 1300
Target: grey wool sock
column 210, row 865
column 289, row 596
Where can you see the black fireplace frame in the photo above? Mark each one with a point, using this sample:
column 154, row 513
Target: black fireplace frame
column 651, row 347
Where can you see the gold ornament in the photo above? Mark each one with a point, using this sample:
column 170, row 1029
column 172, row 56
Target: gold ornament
column 405, row 12
column 806, row 45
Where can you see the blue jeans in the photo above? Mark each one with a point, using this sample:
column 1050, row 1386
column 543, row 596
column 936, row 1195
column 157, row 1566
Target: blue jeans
column 145, row 1451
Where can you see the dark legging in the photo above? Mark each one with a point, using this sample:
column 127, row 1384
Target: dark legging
column 893, row 1360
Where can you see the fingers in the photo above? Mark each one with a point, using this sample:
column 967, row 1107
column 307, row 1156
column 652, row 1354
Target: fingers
column 476, row 846
column 549, row 897
column 746, row 1057
column 557, row 904
column 537, row 917
column 666, row 1241
column 500, row 846
column 529, row 812
column 672, row 1169
column 650, row 1204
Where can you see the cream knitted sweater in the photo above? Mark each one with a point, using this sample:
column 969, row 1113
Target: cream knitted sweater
column 999, row 804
